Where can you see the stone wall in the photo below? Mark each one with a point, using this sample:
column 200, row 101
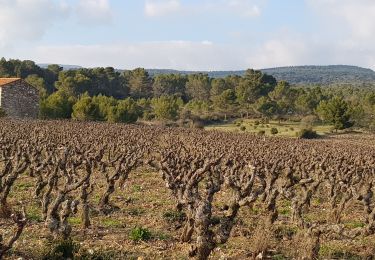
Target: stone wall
column 19, row 99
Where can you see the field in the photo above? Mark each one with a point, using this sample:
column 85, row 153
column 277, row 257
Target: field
column 108, row 191
column 284, row 128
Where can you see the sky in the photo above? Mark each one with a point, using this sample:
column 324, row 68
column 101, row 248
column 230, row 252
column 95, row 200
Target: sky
column 189, row 34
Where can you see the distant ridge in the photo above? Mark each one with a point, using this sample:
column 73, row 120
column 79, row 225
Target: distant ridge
column 299, row 75
column 323, row 75
column 65, row 67
column 296, row 75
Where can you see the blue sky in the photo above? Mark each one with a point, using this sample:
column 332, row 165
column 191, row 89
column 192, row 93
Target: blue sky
column 189, row 34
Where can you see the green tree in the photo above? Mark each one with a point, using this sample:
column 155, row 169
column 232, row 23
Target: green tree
column 218, row 86
column 73, row 82
column 126, row 111
column 225, row 102
column 105, row 105
column 267, row 107
column 39, row 83
column 85, row 109
column 335, row 111
column 59, row 105
column 169, row 84
column 140, row 83
column 198, row 87
column 166, row 107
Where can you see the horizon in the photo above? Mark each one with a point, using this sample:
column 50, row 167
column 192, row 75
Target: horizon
column 193, row 35
column 230, row 70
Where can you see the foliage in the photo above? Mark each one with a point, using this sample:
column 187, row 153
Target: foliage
column 307, row 133
column 85, row 109
column 335, row 111
column 59, row 105
column 205, row 97
column 198, row 87
column 60, row 250
column 126, row 111
column 274, row 131
column 166, row 107
column 168, row 85
column 140, row 83
column 140, row 234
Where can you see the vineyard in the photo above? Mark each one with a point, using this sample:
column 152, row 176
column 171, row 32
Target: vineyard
column 112, row 191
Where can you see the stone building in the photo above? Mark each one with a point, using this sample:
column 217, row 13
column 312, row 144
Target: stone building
column 18, row 98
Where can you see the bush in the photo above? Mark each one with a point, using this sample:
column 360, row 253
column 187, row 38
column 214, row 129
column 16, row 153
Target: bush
column 61, row 249
column 256, row 122
column 261, row 132
column 274, row 131
column 243, row 128
column 307, row 134
column 140, row 234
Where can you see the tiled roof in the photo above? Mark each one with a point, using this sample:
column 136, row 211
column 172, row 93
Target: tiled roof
column 5, row 81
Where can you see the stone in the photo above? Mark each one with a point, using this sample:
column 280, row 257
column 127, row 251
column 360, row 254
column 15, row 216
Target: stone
column 18, row 98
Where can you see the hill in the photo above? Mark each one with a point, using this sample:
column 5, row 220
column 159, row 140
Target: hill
column 65, row 66
column 323, row 75
column 299, row 75
column 296, row 75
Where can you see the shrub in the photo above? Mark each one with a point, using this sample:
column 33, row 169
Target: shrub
column 261, row 132
column 256, row 122
column 307, row 134
column 243, row 128
column 140, row 234
column 274, row 131
column 61, row 249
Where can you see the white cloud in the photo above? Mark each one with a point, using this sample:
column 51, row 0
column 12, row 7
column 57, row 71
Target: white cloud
column 184, row 55
column 350, row 24
column 28, row 20
column 358, row 15
column 161, row 7
column 245, row 8
column 94, row 12
column 279, row 52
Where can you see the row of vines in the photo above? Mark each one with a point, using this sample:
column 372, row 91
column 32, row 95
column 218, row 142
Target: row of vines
column 211, row 175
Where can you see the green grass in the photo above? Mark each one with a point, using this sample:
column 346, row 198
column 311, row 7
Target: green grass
column 112, row 223
column 286, row 129
column 140, row 234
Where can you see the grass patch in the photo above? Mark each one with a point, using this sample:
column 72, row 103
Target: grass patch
column 285, row 128
column 33, row 213
column 140, row 234
column 112, row 223
column 354, row 224
column 75, row 221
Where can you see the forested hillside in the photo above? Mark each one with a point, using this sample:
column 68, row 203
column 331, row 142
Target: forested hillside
column 299, row 75
column 323, row 75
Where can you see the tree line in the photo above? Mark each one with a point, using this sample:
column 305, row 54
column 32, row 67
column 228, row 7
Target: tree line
column 106, row 94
